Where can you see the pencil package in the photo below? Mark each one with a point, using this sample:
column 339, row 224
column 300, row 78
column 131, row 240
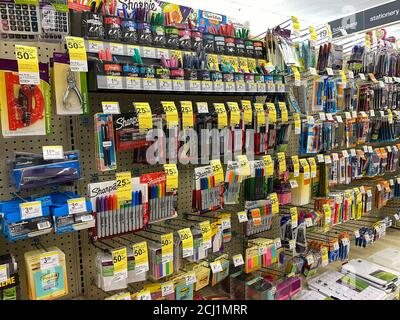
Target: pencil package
column 106, row 159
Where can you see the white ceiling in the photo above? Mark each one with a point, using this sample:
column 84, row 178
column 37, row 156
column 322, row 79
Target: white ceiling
column 263, row 14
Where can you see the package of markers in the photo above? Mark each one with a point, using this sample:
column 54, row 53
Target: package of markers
column 114, row 217
column 233, row 182
column 259, row 215
column 127, row 133
column 106, row 158
column 160, row 267
column 207, row 195
column 254, row 184
column 163, row 203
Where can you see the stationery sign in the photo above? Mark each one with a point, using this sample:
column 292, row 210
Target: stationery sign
column 28, row 64
column 77, row 54
column 53, row 152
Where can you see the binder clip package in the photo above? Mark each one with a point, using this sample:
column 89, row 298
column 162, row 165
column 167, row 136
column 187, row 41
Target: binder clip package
column 69, row 88
column 25, row 109
column 25, row 218
column 29, row 170
column 46, row 274
column 71, row 212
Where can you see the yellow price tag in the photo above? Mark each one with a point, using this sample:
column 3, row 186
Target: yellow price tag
column 222, row 116
column 172, row 174
column 271, row 113
column 167, row 247
column 235, row 113
column 143, row 111
column 327, row 215
column 269, row 166
column 205, row 228
column 296, row 25
column 294, row 217
column 297, row 77
column 297, row 123
column 282, row 162
column 176, row 54
column 77, row 54
column 252, row 63
column 284, row 112
column 124, row 186
column 244, row 165
column 28, row 64
column 171, row 113
column 213, row 62
column 243, row 62
column 120, row 263
column 218, row 171
column 296, row 166
column 187, row 242
column 260, row 114
column 306, row 169
column 274, row 203
column 313, row 34
column 187, row 114
column 247, row 112
column 313, row 167
column 141, row 255
column 324, row 256
column 343, row 76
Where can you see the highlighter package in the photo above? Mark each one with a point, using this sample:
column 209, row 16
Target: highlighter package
column 25, row 109
column 46, row 281
column 106, row 158
column 70, row 91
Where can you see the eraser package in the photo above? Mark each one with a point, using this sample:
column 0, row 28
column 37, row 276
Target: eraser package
column 25, row 109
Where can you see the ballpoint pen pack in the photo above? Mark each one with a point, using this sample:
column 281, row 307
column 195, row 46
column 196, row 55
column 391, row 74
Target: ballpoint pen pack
column 105, row 143
column 69, row 88
column 25, row 109
column 114, row 217
column 30, row 170
column 71, row 212
column 26, row 218
column 9, row 281
column 46, row 274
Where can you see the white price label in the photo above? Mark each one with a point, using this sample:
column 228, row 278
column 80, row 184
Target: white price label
column 53, row 153
column 372, row 113
column 110, row 107
column 149, row 52
column 353, row 152
column 167, row 288
column 243, row 217
column 219, row 86
column 351, row 75
column 43, row 225
column 77, row 205
column 320, row 158
column 49, row 260
column 206, row 86
column 144, row 296
column 178, row 85
column 216, row 267
column 241, row 87
column 339, row 119
column 130, row 50
column 194, row 85
column 357, row 234
column 117, row 49
column 278, row 243
column 238, row 260
column 310, row 259
column 329, row 71
column 252, row 87
column 30, row 210
column 329, row 116
column 230, row 87
column 362, row 76
column 347, row 115
column 294, row 184
column 322, row 116
column 313, row 71
column 95, row 46
column 261, row 87
column 271, row 87
column 165, row 84
column 133, row 83
column 190, row 278
column 396, row 216
column 226, row 224
column 292, row 244
column 149, row 84
column 309, row 222
column 345, row 153
column 114, row 82
column 335, row 246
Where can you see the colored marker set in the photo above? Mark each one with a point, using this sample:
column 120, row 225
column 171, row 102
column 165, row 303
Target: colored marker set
column 105, row 144
column 259, row 216
column 254, row 184
column 116, row 217
column 233, row 181
column 163, row 202
column 207, row 194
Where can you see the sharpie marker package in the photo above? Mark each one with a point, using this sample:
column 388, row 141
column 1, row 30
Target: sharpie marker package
column 25, row 109
column 105, row 144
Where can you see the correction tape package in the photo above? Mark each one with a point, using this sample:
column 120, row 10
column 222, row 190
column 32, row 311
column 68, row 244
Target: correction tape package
column 70, row 92
column 25, row 109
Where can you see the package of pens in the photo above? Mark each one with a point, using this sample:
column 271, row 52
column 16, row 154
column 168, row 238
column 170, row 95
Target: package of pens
column 10, row 286
column 233, row 182
column 105, row 143
column 128, row 135
column 254, row 184
column 115, row 217
column 259, row 215
column 29, row 170
column 207, row 194
column 143, row 19
column 71, row 212
column 92, row 24
column 162, row 201
column 25, row 218
column 25, row 108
